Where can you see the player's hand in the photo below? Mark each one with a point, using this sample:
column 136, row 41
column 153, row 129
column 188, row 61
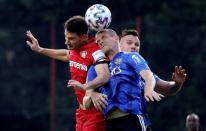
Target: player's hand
column 151, row 95
column 87, row 101
column 99, row 100
column 32, row 42
column 75, row 84
column 179, row 76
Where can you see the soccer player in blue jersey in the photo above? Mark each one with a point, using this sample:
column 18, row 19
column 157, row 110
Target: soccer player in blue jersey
column 130, row 42
column 125, row 90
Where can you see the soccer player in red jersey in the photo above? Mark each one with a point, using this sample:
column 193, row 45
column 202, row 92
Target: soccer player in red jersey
column 82, row 52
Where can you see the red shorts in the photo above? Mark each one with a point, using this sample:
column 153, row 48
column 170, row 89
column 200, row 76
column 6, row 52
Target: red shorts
column 89, row 120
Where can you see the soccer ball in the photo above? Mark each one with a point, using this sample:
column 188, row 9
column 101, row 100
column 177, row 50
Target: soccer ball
column 98, row 17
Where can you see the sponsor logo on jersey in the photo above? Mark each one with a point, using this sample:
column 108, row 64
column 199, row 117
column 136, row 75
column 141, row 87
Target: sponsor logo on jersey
column 83, row 54
column 78, row 65
column 116, row 70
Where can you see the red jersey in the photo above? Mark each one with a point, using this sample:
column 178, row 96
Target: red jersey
column 80, row 60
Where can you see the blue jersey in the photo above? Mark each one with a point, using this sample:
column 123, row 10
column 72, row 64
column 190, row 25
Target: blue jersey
column 125, row 89
column 146, row 116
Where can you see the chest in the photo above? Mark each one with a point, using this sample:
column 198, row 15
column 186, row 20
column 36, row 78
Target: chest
column 80, row 61
column 119, row 66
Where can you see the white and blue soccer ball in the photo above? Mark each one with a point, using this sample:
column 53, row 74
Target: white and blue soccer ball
column 98, row 17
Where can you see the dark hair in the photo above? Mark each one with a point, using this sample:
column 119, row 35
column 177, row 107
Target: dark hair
column 76, row 24
column 130, row 32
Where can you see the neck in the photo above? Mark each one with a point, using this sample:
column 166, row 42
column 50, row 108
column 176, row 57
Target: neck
column 83, row 43
column 113, row 52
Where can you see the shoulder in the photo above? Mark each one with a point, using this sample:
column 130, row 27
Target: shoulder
column 91, row 43
column 134, row 56
column 130, row 54
column 91, row 47
column 93, row 52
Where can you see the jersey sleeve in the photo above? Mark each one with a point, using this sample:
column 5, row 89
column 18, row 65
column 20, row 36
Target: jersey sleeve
column 136, row 61
column 91, row 74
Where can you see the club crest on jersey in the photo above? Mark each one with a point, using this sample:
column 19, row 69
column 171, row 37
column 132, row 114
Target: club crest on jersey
column 118, row 61
column 83, row 54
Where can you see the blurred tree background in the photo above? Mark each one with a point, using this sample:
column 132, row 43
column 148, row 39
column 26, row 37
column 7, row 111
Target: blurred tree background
column 172, row 33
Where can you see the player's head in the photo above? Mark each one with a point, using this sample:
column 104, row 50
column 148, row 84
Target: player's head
column 129, row 41
column 75, row 30
column 192, row 122
column 107, row 39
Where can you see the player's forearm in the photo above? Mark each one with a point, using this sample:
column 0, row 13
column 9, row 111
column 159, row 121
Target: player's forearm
column 173, row 87
column 99, row 81
column 150, row 82
column 149, row 79
column 167, row 87
column 87, row 102
column 102, row 77
column 58, row 54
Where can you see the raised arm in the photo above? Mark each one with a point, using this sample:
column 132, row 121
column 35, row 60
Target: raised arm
column 58, row 54
column 172, row 87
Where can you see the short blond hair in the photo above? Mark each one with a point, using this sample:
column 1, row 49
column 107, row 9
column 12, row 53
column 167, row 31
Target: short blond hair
column 109, row 31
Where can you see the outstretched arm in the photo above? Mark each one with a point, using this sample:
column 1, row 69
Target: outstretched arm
column 172, row 87
column 58, row 54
